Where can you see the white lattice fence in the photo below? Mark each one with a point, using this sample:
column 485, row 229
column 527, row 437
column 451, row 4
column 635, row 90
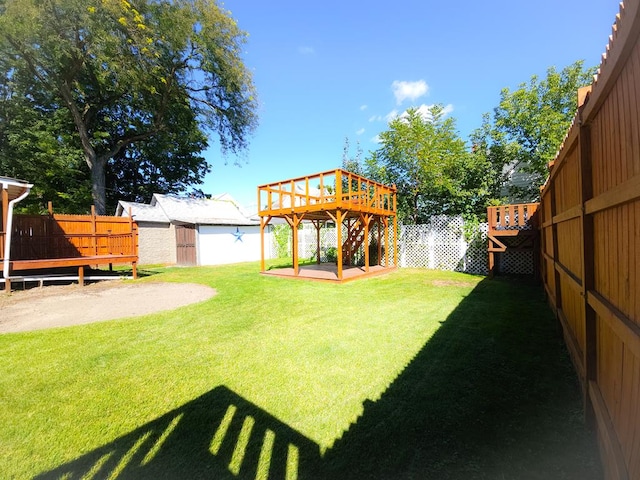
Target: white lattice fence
column 440, row 244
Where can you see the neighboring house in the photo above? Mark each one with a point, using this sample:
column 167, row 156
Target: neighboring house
column 193, row 231
column 516, row 178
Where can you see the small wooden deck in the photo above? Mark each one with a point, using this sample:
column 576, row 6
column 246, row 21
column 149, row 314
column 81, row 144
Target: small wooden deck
column 513, row 228
column 328, row 272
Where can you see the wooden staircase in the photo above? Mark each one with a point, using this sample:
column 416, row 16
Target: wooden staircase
column 353, row 241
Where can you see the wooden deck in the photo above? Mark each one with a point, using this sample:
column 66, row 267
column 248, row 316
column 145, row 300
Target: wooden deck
column 513, row 228
column 328, row 272
column 320, row 195
column 365, row 208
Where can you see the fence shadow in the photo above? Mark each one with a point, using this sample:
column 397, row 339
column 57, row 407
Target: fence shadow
column 491, row 395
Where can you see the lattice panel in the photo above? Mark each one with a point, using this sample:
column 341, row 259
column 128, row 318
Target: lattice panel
column 439, row 245
column 516, row 263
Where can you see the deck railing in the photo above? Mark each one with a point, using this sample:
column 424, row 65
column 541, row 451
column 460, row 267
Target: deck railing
column 520, row 216
column 330, row 189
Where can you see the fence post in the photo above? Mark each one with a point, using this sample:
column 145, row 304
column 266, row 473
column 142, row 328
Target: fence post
column 93, row 230
column 588, row 274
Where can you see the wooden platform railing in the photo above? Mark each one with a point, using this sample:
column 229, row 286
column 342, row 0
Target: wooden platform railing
column 513, row 217
column 333, row 188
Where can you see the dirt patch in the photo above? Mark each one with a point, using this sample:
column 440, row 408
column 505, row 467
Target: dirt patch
column 62, row 306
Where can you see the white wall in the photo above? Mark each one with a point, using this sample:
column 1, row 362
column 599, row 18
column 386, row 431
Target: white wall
column 220, row 244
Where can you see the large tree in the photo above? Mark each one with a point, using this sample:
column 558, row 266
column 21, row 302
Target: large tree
column 139, row 82
column 528, row 127
column 423, row 155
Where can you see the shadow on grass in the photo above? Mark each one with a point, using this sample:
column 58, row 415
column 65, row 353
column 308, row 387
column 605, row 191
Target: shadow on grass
column 491, row 395
column 219, row 435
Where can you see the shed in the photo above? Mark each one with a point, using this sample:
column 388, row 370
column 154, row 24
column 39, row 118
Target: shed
column 194, row 231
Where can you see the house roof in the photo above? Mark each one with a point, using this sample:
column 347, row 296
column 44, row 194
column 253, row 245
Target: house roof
column 219, row 210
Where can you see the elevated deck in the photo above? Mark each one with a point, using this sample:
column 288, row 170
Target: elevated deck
column 359, row 204
column 319, row 196
column 512, row 228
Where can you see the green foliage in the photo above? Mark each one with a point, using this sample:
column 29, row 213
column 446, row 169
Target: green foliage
column 331, row 254
column 430, row 166
column 528, row 127
column 282, row 236
column 130, row 89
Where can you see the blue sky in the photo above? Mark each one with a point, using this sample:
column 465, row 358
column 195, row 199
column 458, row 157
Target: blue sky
column 334, row 69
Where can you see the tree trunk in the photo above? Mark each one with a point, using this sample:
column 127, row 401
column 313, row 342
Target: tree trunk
column 98, row 186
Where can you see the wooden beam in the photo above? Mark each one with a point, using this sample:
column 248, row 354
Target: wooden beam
column 570, row 214
column 574, row 281
column 624, row 328
column 625, row 192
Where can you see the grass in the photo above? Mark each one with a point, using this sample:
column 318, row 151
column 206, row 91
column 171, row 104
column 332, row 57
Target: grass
column 417, row 374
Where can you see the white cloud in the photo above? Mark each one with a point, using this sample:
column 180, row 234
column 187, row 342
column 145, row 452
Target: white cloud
column 375, row 118
column 424, row 112
column 363, row 107
column 403, row 90
column 306, row 50
column 360, row 132
column 376, row 139
column 391, row 115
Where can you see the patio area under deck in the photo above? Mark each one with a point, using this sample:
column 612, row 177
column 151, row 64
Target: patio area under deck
column 365, row 208
column 328, row 272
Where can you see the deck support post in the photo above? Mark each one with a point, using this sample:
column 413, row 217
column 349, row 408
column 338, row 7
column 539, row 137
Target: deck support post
column 366, row 220
column 317, row 224
column 294, row 222
column 339, row 241
column 264, row 221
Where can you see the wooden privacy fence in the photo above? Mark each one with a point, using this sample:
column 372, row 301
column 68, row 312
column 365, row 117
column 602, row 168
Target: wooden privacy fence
column 590, row 209
column 40, row 242
column 38, row 237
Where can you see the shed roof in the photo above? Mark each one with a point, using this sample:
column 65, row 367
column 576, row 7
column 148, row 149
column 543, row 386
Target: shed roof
column 220, row 210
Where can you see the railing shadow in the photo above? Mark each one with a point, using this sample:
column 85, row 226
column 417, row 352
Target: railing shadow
column 218, row 435
column 491, row 395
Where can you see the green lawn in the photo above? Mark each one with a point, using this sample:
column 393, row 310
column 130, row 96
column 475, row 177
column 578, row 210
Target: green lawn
column 416, row 374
